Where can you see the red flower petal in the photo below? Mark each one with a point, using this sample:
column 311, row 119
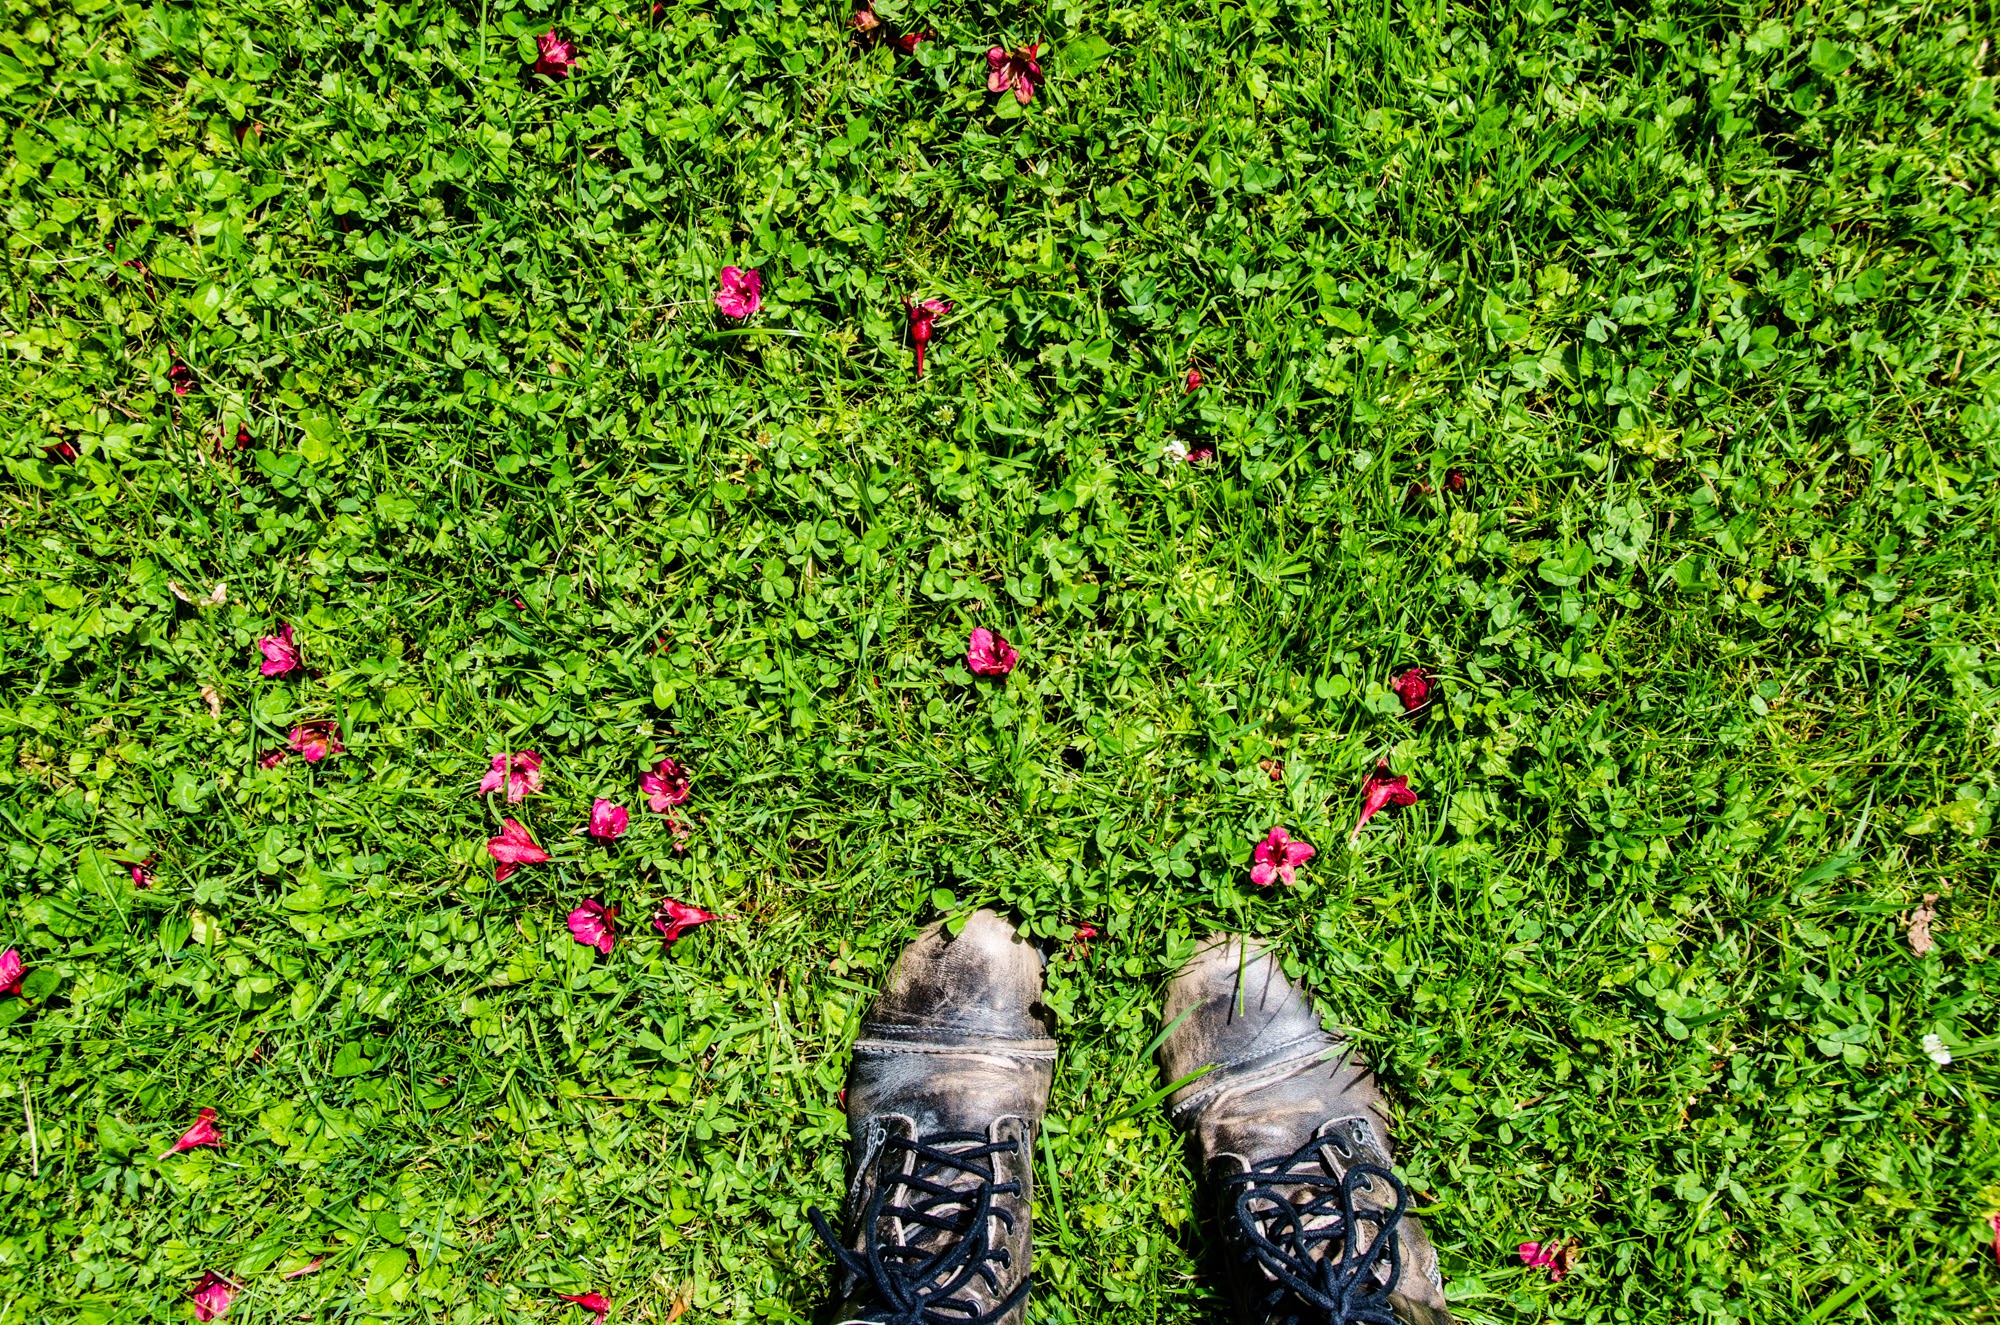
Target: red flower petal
column 203, row 1133
column 11, row 970
column 1379, row 790
column 513, row 849
column 676, row 918
column 1413, row 687
column 591, row 1301
column 555, row 56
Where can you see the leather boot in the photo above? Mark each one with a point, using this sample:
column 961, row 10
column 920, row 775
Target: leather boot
column 949, row 1081
column 1293, row 1138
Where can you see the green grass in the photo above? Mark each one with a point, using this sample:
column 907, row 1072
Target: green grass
column 1701, row 300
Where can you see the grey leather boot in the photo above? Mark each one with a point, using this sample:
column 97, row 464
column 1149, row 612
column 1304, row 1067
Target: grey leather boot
column 949, row 1081
column 1293, row 1136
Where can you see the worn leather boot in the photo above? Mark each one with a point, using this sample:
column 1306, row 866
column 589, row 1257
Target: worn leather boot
column 1293, row 1137
column 949, row 1080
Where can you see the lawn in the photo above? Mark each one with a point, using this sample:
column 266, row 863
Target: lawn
column 1631, row 372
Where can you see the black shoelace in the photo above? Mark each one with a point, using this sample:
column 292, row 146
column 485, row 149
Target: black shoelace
column 919, row 1284
column 1330, row 1259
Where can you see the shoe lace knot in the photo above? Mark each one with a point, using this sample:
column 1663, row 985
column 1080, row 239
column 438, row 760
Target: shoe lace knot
column 925, row 1235
column 1328, row 1257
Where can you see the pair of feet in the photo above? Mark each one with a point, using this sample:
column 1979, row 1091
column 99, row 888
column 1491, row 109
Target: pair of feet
column 948, row 1085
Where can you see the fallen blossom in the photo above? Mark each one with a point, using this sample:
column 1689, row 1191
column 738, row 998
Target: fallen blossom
column 1935, row 1051
column 591, row 925
column 315, row 740
column 676, row 918
column 310, row 1267
column 213, row 598
column 1413, row 687
column 591, row 1301
column 1993, row 1222
column 280, row 654
column 12, row 969
column 1552, row 1257
column 923, row 324
column 518, row 774
column 182, row 379
column 203, row 1133
column 1918, row 925
column 1279, row 857
column 212, row 1296
column 1018, row 71
column 213, row 698
column 667, row 785
column 1272, row 769
column 988, row 654
column 142, row 873
column 740, row 293
column 908, row 42
column 271, row 758
column 1379, row 790
column 1079, row 941
column 1194, row 379
column 554, row 55
column 513, row 849
column 243, row 438
column 1201, row 455
column 608, row 821
column 1454, row 480
column 864, row 21
column 63, row 450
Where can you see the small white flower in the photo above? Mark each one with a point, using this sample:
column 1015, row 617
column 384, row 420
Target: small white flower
column 1175, row 449
column 1934, row 1049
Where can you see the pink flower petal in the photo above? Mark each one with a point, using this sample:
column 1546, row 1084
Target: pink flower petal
column 1194, row 379
column 608, row 821
column 310, row 1267
column 666, row 786
column 591, row 925
column 212, row 1296
column 987, row 654
column 676, row 918
column 740, row 293
column 519, row 774
column 314, row 741
column 203, row 1133
column 1262, row 873
column 280, row 654
column 11, row 970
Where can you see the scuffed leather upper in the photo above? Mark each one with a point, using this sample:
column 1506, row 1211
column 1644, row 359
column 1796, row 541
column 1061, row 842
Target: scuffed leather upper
column 956, row 1043
column 1279, row 1080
